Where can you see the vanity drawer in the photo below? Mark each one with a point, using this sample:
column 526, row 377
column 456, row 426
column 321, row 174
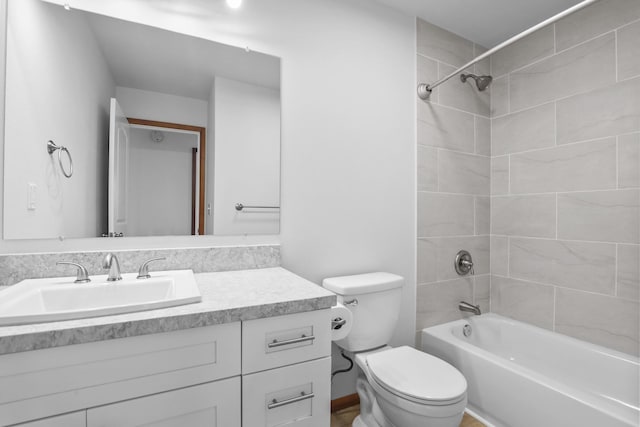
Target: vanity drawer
column 284, row 340
column 297, row 395
column 206, row 405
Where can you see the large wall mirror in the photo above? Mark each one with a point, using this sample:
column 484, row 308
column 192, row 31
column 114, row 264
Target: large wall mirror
column 157, row 133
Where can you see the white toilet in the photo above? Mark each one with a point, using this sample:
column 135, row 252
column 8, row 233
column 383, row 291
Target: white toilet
column 398, row 387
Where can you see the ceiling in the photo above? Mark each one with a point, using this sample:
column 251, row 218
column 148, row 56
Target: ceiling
column 153, row 59
column 486, row 22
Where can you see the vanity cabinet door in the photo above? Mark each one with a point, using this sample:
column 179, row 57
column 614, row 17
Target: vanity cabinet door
column 215, row 404
column 297, row 395
column 75, row 419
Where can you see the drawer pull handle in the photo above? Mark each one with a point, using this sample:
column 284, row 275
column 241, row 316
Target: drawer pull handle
column 303, row 338
column 275, row 404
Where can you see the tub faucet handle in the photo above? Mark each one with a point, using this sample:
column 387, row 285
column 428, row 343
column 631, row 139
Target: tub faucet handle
column 463, row 263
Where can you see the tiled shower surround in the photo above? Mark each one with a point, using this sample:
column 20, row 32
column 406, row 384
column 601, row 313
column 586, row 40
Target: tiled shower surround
column 454, row 147
column 564, row 179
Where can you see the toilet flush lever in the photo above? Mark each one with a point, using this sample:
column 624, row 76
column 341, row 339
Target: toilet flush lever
column 352, row 303
column 338, row 323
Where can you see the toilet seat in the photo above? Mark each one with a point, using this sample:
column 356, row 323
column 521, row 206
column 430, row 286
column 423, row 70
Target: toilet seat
column 417, row 376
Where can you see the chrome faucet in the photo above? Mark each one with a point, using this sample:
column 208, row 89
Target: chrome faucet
column 111, row 262
column 465, row 306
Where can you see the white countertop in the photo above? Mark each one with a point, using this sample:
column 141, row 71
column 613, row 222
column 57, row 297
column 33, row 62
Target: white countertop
column 228, row 296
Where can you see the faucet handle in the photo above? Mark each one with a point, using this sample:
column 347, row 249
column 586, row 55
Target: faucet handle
column 143, row 273
column 82, row 276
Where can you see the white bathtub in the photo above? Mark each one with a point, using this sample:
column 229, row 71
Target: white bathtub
column 519, row 375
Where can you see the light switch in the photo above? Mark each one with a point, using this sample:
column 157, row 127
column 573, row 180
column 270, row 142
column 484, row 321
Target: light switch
column 31, row 196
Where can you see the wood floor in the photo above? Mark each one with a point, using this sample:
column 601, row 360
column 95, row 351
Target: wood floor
column 344, row 418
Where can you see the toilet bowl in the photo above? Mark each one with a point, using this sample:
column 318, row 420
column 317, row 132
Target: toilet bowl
column 410, row 388
column 398, row 387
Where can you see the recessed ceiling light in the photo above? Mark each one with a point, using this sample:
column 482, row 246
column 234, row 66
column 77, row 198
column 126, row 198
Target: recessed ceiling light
column 234, row 4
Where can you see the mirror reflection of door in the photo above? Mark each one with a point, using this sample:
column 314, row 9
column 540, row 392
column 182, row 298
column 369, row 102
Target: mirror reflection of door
column 119, row 136
column 164, row 172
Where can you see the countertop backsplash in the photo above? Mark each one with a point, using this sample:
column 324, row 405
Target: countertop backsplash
column 14, row 268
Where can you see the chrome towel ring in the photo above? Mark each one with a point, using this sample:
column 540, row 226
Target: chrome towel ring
column 52, row 147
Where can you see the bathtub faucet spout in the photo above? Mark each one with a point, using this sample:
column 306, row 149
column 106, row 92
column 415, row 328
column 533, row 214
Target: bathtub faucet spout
column 465, row 306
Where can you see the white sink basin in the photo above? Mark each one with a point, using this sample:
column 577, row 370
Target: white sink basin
column 49, row 300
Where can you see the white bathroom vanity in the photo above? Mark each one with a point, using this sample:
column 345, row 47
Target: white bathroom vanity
column 255, row 351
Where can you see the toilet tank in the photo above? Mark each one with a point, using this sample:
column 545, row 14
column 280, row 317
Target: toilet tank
column 374, row 300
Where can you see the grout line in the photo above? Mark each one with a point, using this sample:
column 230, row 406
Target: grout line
column 508, row 257
column 602, row 190
column 475, row 212
column 490, row 291
column 560, row 52
column 591, row 90
column 617, row 162
column 461, row 236
column 452, row 280
column 551, row 239
column 615, row 280
column 637, row 76
column 553, row 325
column 555, row 122
column 533, row 282
column 557, row 214
column 438, row 169
column 509, row 174
column 568, row 144
column 611, row 30
column 451, row 107
column 453, row 194
column 555, row 39
column 509, row 93
column 475, row 135
column 473, row 289
column 454, row 151
column 635, row 21
column 455, row 67
column 521, row 67
column 615, row 54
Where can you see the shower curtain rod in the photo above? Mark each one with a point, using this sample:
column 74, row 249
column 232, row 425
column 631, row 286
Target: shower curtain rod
column 424, row 90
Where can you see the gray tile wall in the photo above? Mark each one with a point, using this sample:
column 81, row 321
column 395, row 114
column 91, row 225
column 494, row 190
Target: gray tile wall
column 454, row 148
column 565, row 181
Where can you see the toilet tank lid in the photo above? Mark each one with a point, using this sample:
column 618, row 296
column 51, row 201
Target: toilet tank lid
column 363, row 283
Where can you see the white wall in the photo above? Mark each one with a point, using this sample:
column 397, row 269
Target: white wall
column 143, row 104
column 247, row 158
column 41, row 73
column 159, row 186
column 348, row 126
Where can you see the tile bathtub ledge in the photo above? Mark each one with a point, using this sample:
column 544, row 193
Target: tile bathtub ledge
column 227, row 297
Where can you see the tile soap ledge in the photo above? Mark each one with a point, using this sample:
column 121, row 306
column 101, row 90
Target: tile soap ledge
column 229, row 296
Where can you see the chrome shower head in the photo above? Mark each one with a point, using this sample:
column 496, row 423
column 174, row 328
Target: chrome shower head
column 482, row 82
